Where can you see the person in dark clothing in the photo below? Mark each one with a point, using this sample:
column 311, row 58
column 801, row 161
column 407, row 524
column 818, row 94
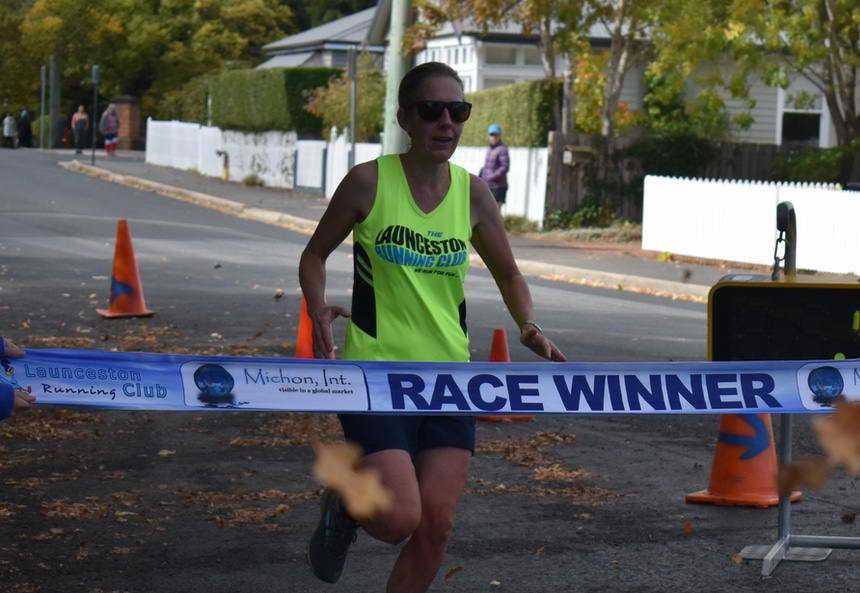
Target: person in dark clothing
column 25, row 131
column 80, row 125
column 495, row 170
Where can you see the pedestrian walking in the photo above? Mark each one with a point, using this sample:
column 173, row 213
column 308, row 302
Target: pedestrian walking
column 80, row 125
column 25, row 130
column 109, row 127
column 496, row 165
column 412, row 217
column 9, row 128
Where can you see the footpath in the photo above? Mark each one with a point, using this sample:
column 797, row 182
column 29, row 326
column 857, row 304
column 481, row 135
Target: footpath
column 617, row 266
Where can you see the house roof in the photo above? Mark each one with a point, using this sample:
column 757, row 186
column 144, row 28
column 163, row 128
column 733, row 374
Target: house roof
column 303, row 58
column 349, row 30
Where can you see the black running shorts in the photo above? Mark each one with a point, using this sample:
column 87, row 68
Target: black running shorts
column 378, row 432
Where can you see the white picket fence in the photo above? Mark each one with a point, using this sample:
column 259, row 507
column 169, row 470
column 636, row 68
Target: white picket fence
column 723, row 220
column 736, row 221
column 280, row 160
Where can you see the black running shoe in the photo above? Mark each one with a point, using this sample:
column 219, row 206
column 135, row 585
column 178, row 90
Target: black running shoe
column 331, row 540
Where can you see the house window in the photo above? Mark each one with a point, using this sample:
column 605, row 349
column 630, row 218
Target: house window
column 533, row 56
column 801, row 121
column 500, row 54
column 800, row 128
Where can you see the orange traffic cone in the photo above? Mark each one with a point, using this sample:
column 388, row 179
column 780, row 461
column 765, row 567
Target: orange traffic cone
column 744, row 468
column 305, row 339
column 126, row 294
column 499, row 353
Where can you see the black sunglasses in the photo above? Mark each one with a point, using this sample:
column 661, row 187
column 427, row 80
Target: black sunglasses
column 432, row 110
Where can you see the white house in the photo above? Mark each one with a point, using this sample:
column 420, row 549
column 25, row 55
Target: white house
column 503, row 55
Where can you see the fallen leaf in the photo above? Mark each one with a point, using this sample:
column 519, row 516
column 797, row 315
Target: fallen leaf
column 452, row 572
column 839, row 435
column 361, row 490
column 803, row 472
column 737, row 559
column 688, row 528
column 166, row 452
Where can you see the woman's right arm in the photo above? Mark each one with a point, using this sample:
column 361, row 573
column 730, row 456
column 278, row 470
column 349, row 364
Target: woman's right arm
column 351, row 203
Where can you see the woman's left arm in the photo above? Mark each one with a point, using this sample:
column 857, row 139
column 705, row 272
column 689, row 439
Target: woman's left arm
column 491, row 242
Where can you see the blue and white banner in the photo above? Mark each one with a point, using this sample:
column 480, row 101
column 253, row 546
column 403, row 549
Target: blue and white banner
column 142, row 381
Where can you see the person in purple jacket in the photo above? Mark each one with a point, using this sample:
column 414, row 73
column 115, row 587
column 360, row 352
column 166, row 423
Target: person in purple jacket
column 495, row 170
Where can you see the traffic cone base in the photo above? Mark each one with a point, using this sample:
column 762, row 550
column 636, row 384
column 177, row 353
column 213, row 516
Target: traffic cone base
column 126, row 294
column 744, row 467
column 499, row 353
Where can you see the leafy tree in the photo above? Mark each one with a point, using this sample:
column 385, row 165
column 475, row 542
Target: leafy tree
column 700, row 47
column 147, row 47
column 820, row 41
column 332, row 103
column 558, row 24
column 20, row 81
column 564, row 27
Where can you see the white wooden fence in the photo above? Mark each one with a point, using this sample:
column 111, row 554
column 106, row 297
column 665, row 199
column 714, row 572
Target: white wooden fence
column 268, row 156
column 736, row 221
column 317, row 166
column 732, row 221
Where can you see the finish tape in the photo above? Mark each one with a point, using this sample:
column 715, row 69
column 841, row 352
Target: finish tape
column 145, row 381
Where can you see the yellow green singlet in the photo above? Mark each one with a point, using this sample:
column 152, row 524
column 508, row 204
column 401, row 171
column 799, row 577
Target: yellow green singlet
column 408, row 299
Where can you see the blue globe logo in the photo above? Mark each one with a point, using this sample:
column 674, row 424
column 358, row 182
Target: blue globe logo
column 213, row 380
column 826, row 384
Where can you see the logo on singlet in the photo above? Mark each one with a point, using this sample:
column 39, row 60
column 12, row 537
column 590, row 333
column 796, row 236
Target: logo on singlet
column 402, row 246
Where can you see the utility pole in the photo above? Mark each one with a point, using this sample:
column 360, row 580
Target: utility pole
column 42, row 75
column 56, row 77
column 394, row 139
column 95, row 116
column 352, row 69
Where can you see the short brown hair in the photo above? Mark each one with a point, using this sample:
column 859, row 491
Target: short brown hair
column 411, row 82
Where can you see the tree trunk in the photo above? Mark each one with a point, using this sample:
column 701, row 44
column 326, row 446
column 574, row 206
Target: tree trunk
column 568, row 107
column 547, row 56
column 547, row 49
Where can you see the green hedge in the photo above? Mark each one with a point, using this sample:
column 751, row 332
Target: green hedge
column 187, row 104
column 525, row 111
column 267, row 99
column 272, row 99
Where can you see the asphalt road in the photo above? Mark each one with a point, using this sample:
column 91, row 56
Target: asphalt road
column 97, row 501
